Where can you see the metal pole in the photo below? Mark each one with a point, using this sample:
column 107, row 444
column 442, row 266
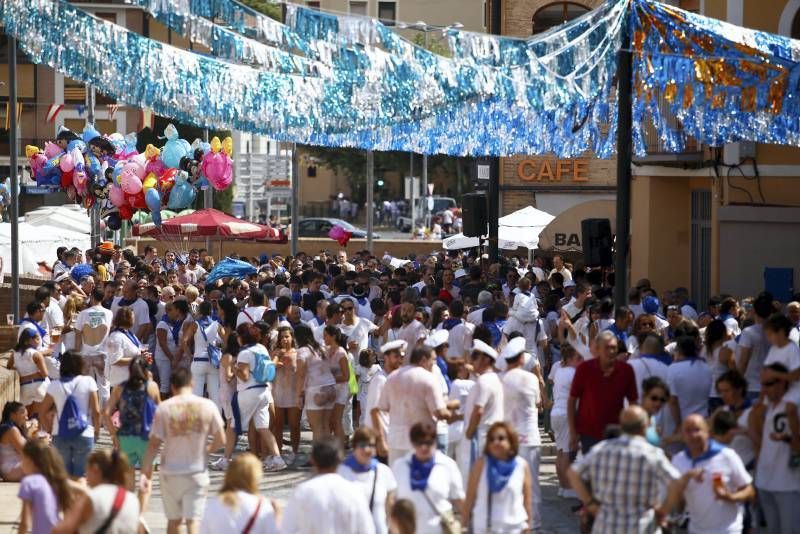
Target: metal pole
column 370, row 192
column 208, row 196
column 493, row 196
column 413, row 194
column 425, row 168
column 13, row 140
column 295, row 198
column 94, row 215
column 624, row 156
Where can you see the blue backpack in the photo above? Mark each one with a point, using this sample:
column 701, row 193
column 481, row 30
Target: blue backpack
column 72, row 421
column 264, row 369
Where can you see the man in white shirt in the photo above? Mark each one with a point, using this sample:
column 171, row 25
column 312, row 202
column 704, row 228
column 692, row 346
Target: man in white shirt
column 193, row 266
column 522, row 399
column 753, row 346
column 91, row 330
column 357, row 329
column 558, row 264
column 460, row 340
column 325, row 503
column 648, row 363
column 582, row 293
column 255, row 309
column 718, row 483
column 484, row 404
column 65, row 265
column 53, row 316
column 412, row 332
column 141, row 312
column 793, row 313
column 484, row 301
column 378, row 420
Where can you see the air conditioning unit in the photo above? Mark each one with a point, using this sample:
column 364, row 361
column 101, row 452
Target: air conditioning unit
column 736, row 153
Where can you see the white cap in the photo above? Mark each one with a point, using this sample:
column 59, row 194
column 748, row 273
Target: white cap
column 394, row 345
column 569, row 283
column 482, row 347
column 459, row 273
column 437, row 338
column 513, row 348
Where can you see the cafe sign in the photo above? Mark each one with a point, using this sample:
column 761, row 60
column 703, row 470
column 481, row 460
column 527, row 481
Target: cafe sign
column 553, row 170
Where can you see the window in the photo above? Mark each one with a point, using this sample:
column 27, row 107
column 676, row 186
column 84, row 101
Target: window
column 387, row 12
column 556, row 14
column 313, row 5
column 358, row 8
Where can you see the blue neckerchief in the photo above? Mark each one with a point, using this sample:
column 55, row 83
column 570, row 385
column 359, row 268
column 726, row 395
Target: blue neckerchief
column 496, row 329
column 130, row 335
column 746, row 403
column 123, row 302
column 526, row 293
column 443, row 368
column 297, row 297
column 214, row 315
column 420, row 471
column 621, row 335
column 498, row 472
column 725, row 316
column 319, row 321
column 714, row 448
column 357, row 467
column 282, row 318
column 451, row 323
column 663, row 357
column 175, row 327
column 42, row 331
column 362, row 301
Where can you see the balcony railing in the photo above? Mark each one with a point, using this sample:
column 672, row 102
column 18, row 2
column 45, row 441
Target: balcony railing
column 657, row 151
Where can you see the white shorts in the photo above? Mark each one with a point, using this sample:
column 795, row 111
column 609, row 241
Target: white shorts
column 342, row 393
column 254, row 405
column 30, row 393
column 320, row 397
column 561, row 431
column 184, row 496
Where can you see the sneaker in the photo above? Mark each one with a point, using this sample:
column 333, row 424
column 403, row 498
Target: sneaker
column 274, row 463
column 289, row 457
column 220, row 464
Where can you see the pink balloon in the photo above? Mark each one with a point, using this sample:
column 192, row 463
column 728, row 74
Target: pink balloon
column 66, row 163
column 117, row 196
column 156, row 166
column 135, row 167
column 131, row 184
column 218, row 169
column 51, row 150
column 81, row 182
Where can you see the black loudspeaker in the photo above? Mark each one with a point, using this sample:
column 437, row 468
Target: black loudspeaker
column 474, row 214
column 597, row 242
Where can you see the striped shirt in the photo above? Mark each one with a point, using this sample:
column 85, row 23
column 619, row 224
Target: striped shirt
column 629, row 477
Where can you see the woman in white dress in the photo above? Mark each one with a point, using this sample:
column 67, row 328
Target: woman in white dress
column 239, row 507
column 335, row 343
column 317, row 386
column 32, row 369
column 285, row 389
column 121, row 347
column 499, row 494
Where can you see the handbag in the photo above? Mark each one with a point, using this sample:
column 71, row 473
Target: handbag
column 450, row 524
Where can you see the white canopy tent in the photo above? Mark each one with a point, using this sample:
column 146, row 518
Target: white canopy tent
column 71, row 217
column 38, row 243
column 518, row 229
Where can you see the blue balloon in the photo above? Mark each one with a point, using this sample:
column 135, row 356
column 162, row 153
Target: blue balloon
column 174, row 150
column 157, row 218
column 181, row 195
column 153, row 200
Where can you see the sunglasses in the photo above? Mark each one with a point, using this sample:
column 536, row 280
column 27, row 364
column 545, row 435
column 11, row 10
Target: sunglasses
column 657, row 399
column 365, row 445
column 427, row 443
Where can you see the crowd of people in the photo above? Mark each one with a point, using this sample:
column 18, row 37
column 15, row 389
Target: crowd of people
column 437, row 376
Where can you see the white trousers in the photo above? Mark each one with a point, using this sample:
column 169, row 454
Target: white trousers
column 532, row 455
column 204, row 374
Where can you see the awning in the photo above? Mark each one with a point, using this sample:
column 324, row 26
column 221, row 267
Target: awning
column 518, row 229
column 564, row 233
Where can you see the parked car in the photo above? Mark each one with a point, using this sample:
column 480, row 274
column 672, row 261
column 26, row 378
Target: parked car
column 320, row 226
column 440, row 204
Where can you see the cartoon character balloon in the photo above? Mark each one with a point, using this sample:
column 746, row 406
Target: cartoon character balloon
column 175, row 148
column 217, row 166
column 182, row 193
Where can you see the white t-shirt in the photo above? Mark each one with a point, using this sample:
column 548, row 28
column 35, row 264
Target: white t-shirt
column 444, row 485
column 562, row 382
column 119, row 346
column 733, row 326
column 248, row 356
column 102, row 497
column 81, row 388
column 772, row 469
column 459, row 390
column 383, row 484
column 255, row 312
column 645, row 367
column 172, row 345
column 373, row 396
column 358, row 332
column 325, row 505
column 53, row 315
column 488, row 394
column 717, row 368
column 219, row 517
column 520, row 396
column 690, row 381
column 141, row 312
column 460, row 339
column 211, row 334
column 789, row 356
column 753, row 338
column 93, row 317
column 710, row 515
column 476, row 317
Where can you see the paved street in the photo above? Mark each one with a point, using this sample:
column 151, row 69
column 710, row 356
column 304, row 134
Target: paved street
column 557, row 515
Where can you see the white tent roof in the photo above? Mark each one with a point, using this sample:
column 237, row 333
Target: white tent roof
column 38, row 243
column 71, row 217
column 518, row 229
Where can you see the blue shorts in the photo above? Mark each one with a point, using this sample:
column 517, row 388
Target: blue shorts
column 74, row 451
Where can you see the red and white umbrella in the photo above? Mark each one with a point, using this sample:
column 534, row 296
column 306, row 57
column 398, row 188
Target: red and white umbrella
column 207, row 223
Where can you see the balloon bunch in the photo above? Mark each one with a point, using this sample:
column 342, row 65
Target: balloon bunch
column 109, row 171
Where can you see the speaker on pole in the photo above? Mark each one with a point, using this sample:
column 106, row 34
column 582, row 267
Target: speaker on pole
column 597, row 242
column 474, row 214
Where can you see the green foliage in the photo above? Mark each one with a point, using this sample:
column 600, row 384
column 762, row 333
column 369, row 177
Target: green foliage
column 434, row 43
column 265, row 6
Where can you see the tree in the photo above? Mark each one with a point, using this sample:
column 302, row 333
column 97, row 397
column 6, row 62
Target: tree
column 265, row 6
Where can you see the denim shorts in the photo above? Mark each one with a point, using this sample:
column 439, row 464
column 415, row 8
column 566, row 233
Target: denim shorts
column 74, row 451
